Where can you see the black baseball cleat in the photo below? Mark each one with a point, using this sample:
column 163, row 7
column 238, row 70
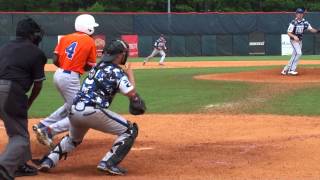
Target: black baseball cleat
column 111, row 169
column 4, row 175
column 26, row 170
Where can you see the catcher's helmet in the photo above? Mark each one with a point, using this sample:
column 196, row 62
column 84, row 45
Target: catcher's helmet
column 85, row 23
column 28, row 28
column 300, row 11
column 114, row 48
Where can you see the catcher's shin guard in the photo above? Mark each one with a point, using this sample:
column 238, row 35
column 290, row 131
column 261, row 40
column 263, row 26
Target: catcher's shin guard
column 122, row 146
column 61, row 150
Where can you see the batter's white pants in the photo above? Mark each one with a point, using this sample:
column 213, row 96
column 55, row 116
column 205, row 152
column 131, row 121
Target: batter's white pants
column 156, row 52
column 296, row 54
column 68, row 85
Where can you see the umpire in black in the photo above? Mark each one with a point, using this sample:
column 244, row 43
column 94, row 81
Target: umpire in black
column 22, row 67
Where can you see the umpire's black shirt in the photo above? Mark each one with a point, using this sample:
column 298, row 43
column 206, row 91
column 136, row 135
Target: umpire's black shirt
column 22, row 62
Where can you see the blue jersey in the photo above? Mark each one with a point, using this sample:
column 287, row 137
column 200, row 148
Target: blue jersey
column 298, row 27
column 102, row 84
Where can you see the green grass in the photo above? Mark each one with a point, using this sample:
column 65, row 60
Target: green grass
column 164, row 90
column 175, row 91
column 228, row 58
column 300, row 102
column 223, row 58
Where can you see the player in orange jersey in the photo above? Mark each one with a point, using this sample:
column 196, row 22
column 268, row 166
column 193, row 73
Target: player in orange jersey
column 74, row 54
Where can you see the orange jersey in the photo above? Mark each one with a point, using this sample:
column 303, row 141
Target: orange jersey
column 75, row 51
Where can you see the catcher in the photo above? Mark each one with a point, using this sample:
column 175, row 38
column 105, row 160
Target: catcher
column 90, row 110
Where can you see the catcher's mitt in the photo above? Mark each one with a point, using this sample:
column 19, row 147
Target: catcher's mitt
column 137, row 105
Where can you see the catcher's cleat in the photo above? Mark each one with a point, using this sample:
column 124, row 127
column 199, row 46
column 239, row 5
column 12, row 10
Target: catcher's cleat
column 111, row 169
column 46, row 165
column 44, row 136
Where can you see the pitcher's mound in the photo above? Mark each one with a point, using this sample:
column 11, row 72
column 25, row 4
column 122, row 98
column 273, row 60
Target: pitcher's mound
column 306, row 75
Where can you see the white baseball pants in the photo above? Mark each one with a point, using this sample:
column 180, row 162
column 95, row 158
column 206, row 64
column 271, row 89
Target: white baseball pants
column 156, row 52
column 68, row 84
column 296, row 54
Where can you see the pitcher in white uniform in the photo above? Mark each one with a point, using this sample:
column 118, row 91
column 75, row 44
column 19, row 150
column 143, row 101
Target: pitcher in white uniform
column 295, row 31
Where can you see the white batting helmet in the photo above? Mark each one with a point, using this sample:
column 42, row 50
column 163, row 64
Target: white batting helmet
column 85, row 23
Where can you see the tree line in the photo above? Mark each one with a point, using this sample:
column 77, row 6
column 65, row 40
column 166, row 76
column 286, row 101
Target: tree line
column 157, row 5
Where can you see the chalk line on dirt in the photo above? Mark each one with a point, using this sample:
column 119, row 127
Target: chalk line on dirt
column 142, row 149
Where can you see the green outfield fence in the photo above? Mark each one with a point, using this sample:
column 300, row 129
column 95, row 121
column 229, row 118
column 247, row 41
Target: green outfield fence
column 188, row 34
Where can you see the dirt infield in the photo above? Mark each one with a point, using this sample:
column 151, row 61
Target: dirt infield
column 201, row 64
column 306, row 75
column 210, row 145
column 198, row 146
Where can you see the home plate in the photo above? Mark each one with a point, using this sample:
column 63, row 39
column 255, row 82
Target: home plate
column 142, row 149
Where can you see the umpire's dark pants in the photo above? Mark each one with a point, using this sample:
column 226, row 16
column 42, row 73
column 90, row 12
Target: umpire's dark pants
column 13, row 112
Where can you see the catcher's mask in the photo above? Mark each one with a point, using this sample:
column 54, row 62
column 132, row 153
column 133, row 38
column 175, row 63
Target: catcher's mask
column 28, row 28
column 114, row 48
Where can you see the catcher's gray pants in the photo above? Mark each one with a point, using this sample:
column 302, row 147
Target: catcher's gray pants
column 102, row 120
column 81, row 121
column 68, row 84
column 154, row 53
column 13, row 112
column 296, row 54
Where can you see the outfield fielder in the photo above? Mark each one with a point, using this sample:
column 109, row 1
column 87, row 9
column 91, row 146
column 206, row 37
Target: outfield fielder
column 158, row 48
column 295, row 32
column 74, row 54
column 90, row 110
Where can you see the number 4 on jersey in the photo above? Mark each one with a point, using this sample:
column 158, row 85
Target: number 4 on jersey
column 70, row 50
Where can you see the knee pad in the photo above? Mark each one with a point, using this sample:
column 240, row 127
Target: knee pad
column 123, row 144
column 133, row 130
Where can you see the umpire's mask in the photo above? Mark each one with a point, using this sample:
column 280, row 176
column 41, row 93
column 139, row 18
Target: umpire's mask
column 28, row 28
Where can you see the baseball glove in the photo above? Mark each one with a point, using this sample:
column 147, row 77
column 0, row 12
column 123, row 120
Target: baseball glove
column 137, row 105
